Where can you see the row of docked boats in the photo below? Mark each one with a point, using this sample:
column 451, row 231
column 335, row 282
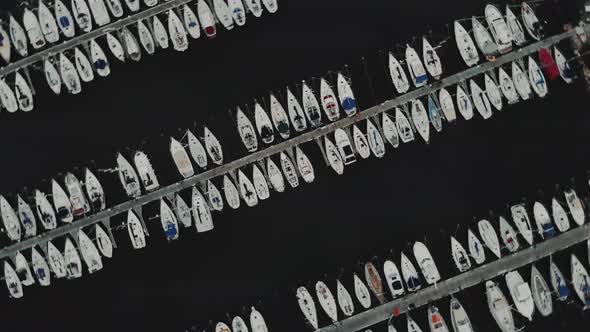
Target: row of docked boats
column 238, row 324
column 44, row 25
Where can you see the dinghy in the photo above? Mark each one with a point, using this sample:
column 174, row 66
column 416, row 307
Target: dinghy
column 565, row 70
column 410, row 274
column 327, row 301
column 131, row 45
column 23, row 94
column 304, row 165
column 480, row 100
column 420, row 119
column 99, row 59
column 295, row 112
column 500, row 30
column 257, row 321
column 436, row 321
column 263, row 124
column 376, row 142
column 516, row 29
column 7, row 97
column 415, row 67
column 255, row 7
column 206, row 18
column 460, row 256
column 558, row 282
column 275, row 176
column 201, row 212
column 27, row 218
column 69, row 75
column 135, row 229
column 521, row 81
column 160, row 34
column 404, row 129
column 5, row 45
column 559, row 216
column 133, row 5
column 521, row 294
column 580, row 281
column 311, row 106
column 489, row 236
column 44, row 211
column 374, row 281
column 522, row 222
column 412, row 325
column 508, row 235
column 247, row 190
column 81, row 14
column 426, row 263
column 538, row 82
column 329, row 102
column 145, row 38
column 52, row 76
column 446, row 103
column 271, row 5
column 183, row 212
column 493, row 92
column 13, row 283
column 466, row 45
column 543, row 220
column 531, row 22
column 389, row 130
column 360, row 142
column 464, row 103
column 213, row 147
column 279, row 117
column 260, row 183
column 459, row 317
column 345, row 149
column 484, row 40
column 344, row 299
column 146, row 172
column 507, row 86
column 128, row 177
column 362, row 292
column 393, row 279
column 115, row 7
column 168, row 221
column 23, row 271
column 499, row 307
column 177, row 32
column 434, row 113
column 94, row 191
column 476, row 249
column 238, row 12
column 115, row 47
column 72, row 260
column 307, row 306
column 541, row 293
column 289, row 169
column 346, row 96
column 431, row 59
column 40, row 268
column 181, row 159
column 223, row 14
column 238, row 325
column 197, row 150
column 83, row 66
column 89, row 252
column 62, row 203
column 191, row 24
column 575, row 206
column 398, row 75
column 18, row 37
column 56, row 261
column 232, row 195
column 99, row 12
column 103, row 242
column 33, row 29
column 80, row 205
column 214, row 196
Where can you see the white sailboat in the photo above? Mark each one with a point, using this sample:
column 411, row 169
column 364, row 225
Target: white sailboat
column 559, row 216
column 376, row 142
column 541, row 293
column 44, row 211
column 275, row 176
column 183, row 212
column 431, row 59
column 327, row 301
column 247, row 190
column 169, row 221
column 374, row 281
column 466, row 46
column 40, row 268
column 521, row 295
column 493, row 93
column 389, row 130
column 128, row 177
column 94, row 191
column 476, row 249
column 13, row 283
column 499, row 307
column 410, row 274
column 508, row 235
column 56, row 261
column 480, row 100
column 333, row 155
column 446, row 103
column 426, row 263
column 516, row 29
column 80, row 205
column 223, row 14
column 499, row 28
column 257, row 322
column 344, row 146
column 27, row 217
column 521, row 81
column 89, row 252
column 62, row 203
column 459, row 317
column 543, row 220
column 135, row 230
column 344, row 299
column 289, row 171
column 33, row 29
column 232, row 195
column 146, row 171
column 489, row 236
column 263, row 124
column 307, row 306
column 362, row 292
column 575, row 206
column 361, row 144
column 398, row 75
column 531, row 22
column 214, row 196
column 404, row 129
column 103, row 242
column 99, row 59
column 420, row 119
column 329, row 101
column 181, row 159
column 558, row 282
column 460, row 256
column 295, row 112
column 213, row 147
column 72, row 260
column 522, row 221
column 580, row 281
column 415, row 67
column 206, row 18
column 507, row 86
column 484, row 40
column 464, row 103
column 201, row 212
column 260, row 183
column 346, row 96
column 311, row 106
column 279, row 117
column 538, row 81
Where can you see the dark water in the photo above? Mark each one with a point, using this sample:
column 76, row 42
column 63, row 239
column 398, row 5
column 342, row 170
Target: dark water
column 259, row 256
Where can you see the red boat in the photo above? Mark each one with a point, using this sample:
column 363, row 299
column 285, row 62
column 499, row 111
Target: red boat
column 548, row 64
